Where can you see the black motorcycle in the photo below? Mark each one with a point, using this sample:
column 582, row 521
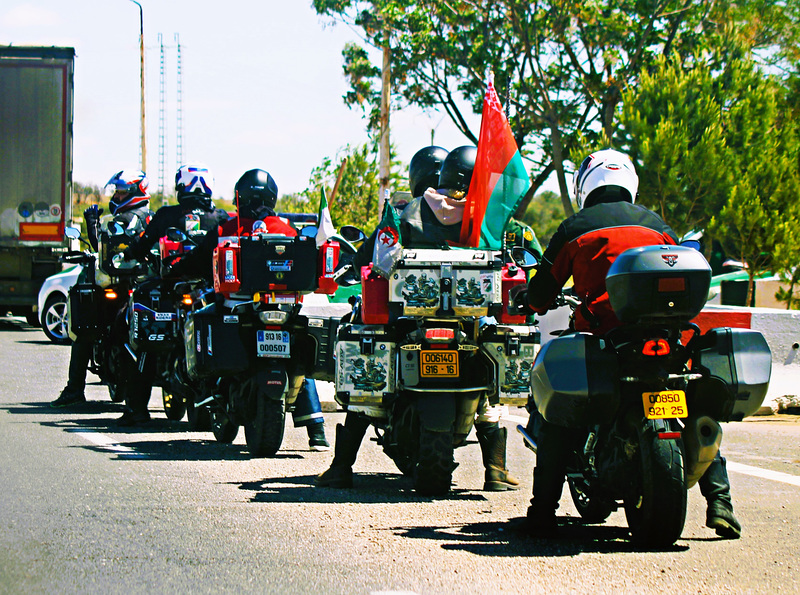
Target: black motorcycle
column 645, row 399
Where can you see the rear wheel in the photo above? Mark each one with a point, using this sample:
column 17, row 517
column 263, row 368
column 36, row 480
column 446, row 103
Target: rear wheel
column 656, row 508
column 55, row 322
column 264, row 432
column 433, row 473
column 224, row 429
column 592, row 508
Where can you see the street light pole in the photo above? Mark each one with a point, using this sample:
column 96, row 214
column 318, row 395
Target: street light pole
column 141, row 70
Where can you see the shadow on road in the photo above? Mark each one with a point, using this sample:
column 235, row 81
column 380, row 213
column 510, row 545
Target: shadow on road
column 368, row 488
column 508, row 539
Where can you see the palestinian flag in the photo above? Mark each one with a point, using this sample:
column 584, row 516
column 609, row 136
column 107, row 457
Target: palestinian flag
column 499, row 180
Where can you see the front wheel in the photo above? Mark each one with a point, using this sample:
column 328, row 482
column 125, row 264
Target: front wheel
column 174, row 405
column 656, row 507
column 224, row 429
column 434, row 471
column 264, row 433
column 592, row 508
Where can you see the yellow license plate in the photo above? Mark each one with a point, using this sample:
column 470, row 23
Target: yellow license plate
column 665, row 403
column 438, row 364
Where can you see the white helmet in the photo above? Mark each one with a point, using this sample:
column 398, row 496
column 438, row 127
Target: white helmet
column 194, row 182
column 605, row 168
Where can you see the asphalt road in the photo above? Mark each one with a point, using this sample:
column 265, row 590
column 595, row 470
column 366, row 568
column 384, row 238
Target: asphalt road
column 86, row 507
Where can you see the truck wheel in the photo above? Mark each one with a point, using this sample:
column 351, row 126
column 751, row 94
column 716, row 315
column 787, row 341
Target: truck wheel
column 656, row 508
column 55, row 322
column 434, row 471
column 264, row 433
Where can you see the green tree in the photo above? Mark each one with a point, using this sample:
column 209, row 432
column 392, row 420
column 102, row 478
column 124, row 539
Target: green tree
column 356, row 200
column 563, row 65
column 544, row 214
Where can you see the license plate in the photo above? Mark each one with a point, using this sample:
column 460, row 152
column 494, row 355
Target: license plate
column 438, row 364
column 665, row 403
column 272, row 344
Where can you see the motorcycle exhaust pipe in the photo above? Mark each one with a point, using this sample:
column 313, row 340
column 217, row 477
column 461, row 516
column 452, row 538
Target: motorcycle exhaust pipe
column 529, row 442
column 701, row 439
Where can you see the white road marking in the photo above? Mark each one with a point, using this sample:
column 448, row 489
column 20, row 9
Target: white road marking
column 732, row 466
column 764, row 473
column 107, row 443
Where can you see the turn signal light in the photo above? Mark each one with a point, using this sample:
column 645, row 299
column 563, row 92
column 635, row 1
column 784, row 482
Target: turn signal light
column 656, row 347
column 111, row 294
column 186, row 300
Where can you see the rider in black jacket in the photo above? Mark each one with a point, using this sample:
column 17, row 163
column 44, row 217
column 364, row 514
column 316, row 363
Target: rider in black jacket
column 130, row 206
column 194, row 213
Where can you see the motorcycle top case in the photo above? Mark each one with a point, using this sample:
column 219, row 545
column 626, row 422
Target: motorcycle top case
column 512, row 350
column 274, row 262
column 213, row 343
column 738, row 364
column 658, row 283
column 153, row 317
column 430, row 282
column 575, row 381
column 365, row 367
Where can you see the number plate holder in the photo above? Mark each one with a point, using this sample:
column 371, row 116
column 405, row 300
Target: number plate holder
column 273, row 344
column 665, row 404
column 438, row 363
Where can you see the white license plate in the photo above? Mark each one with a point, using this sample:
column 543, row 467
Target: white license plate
column 272, row 344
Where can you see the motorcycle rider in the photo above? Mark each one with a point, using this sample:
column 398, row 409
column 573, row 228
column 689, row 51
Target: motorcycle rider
column 129, row 203
column 195, row 212
column 256, row 195
column 584, row 247
column 431, row 220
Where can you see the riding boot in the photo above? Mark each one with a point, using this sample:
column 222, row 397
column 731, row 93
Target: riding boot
column 548, row 481
column 492, row 439
column 716, row 488
column 348, row 441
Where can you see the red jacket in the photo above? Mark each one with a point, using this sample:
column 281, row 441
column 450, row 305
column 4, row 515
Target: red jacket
column 584, row 247
column 236, row 226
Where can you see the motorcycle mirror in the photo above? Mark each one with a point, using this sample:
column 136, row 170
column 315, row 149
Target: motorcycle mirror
column 175, row 235
column 72, row 233
column 352, row 234
column 525, row 258
column 309, row 231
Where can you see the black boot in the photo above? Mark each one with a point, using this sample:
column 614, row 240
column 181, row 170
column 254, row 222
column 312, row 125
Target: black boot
column 548, row 481
column 716, row 488
column 348, row 441
column 316, row 438
column 492, row 439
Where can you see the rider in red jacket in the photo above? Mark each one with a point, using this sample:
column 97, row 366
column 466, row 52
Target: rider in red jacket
column 584, row 247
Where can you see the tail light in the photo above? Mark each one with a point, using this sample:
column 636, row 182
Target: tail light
column 439, row 338
column 656, row 347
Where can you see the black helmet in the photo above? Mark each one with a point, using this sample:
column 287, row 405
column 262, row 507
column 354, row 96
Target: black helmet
column 423, row 171
column 255, row 189
column 457, row 169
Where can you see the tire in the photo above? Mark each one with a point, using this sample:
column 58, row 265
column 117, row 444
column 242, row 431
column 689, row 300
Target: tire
column 406, row 432
column 55, row 319
column 115, row 393
column 224, row 429
column 656, row 510
column 433, row 473
column 199, row 418
column 264, row 433
column 174, row 405
column 592, row 509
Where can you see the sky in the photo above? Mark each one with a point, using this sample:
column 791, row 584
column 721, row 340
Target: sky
column 262, row 87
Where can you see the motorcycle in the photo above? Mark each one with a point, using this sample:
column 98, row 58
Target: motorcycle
column 646, row 399
column 97, row 304
column 250, row 338
column 422, row 352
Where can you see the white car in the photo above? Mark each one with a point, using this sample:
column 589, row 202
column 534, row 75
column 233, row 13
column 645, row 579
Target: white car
column 53, row 297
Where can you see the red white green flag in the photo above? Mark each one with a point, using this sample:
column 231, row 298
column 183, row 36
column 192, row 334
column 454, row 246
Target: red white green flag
column 499, row 180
